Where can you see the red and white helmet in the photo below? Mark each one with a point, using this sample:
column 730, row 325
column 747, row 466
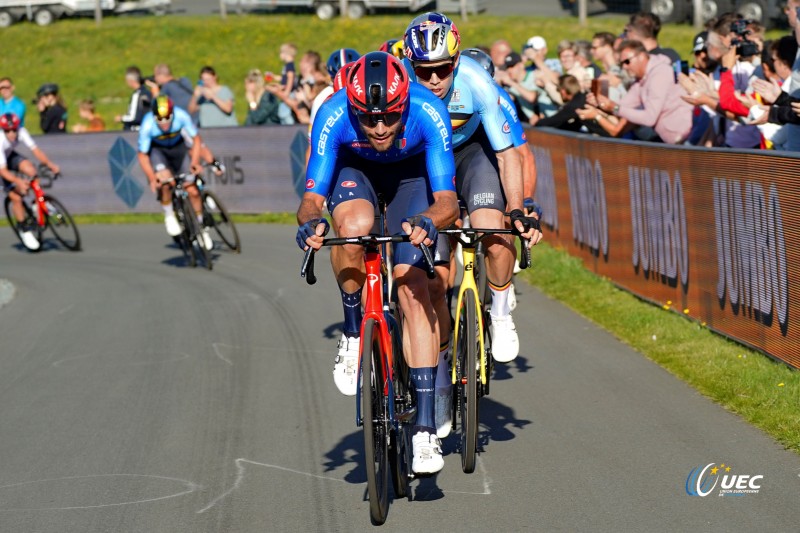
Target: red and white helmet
column 377, row 83
column 9, row 122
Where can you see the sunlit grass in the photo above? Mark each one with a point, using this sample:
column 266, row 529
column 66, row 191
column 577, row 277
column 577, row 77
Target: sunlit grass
column 763, row 392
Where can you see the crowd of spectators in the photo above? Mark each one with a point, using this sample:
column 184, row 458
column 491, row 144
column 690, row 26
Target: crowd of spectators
column 737, row 90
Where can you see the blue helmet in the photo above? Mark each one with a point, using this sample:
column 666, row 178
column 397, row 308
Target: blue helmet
column 431, row 37
column 340, row 58
column 482, row 58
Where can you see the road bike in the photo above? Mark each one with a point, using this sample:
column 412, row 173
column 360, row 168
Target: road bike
column 385, row 404
column 216, row 216
column 44, row 212
column 472, row 361
column 191, row 237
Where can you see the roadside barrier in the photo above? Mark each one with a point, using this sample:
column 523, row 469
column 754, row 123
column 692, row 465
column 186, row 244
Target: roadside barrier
column 710, row 233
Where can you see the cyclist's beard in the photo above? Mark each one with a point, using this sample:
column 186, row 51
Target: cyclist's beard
column 386, row 143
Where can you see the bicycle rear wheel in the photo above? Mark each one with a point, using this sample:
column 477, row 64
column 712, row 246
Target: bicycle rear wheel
column 195, row 239
column 30, row 221
column 215, row 215
column 376, row 424
column 467, row 380
column 61, row 224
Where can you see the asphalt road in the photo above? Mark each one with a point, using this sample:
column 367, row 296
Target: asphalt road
column 139, row 395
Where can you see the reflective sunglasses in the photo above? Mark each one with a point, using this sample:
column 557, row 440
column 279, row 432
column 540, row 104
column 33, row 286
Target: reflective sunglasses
column 441, row 71
column 164, row 120
column 372, row 119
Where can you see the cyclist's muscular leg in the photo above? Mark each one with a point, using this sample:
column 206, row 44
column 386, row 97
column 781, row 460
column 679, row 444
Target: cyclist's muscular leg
column 420, row 319
column 16, row 206
column 351, row 219
column 500, row 251
column 194, row 197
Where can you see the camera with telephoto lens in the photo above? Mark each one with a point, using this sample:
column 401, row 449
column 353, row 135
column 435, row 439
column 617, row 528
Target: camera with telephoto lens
column 744, row 46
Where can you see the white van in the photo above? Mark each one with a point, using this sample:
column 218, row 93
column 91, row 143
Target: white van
column 44, row 12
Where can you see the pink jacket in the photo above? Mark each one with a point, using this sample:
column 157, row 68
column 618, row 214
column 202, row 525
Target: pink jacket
column 655, row 101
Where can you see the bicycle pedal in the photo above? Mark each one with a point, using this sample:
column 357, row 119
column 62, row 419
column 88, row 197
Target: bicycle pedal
column 407, row 415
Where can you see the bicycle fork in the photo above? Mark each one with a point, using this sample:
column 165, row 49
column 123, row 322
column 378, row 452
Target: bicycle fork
column 468, row 283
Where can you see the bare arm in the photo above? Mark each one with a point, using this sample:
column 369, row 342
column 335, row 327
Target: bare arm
column 147, row 167
column 42, row 157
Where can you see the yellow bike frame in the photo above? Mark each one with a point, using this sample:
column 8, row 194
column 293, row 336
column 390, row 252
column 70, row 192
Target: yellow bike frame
column 468, row 284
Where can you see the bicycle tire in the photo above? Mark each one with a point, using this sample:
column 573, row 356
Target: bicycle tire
column 183, row 239
column 467, row 380
column 195, row 238
column 376, row 424
column 400, row 444
column 12, row 221
column 58, row 217
column 215, row 215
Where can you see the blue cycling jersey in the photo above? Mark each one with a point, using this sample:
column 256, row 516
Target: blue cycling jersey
column 510, row 111
column 151, row 134
column 474, row 100
column 336, row 131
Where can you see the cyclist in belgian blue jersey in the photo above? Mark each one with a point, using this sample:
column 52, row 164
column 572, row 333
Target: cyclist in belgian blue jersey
column 381, row 136
column 163, row 153
column 488, row 170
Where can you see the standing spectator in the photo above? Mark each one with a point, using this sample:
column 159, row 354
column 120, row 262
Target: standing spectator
column 653, row 101
column 262, row 105
column 498, row 52
column 602, row 50
column 9, row 103
column 645, row 27
column 213, row 102
column 583, row 55
column 87, row 112
column 140, row 100
column 545, row 71
column 288, row 83
column 52, row 109
column 179, row 91
column 793, row 87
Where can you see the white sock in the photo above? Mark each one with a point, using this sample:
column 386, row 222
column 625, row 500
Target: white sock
column 443, row 377
column 500, row 307
column 168, row 210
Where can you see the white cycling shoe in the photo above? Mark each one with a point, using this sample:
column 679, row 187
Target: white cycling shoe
column 427, row 453
column 505, row 341
column 443, row 402
column 29, row 240
column 207, row 242
column 171, row 223
column 345, row 368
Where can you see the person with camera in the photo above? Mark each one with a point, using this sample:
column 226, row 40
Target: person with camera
column 728, row 44
column 52, row 110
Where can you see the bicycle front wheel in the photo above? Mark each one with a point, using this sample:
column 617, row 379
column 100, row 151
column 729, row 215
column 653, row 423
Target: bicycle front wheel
column 376, row 423
column 61, row 224
column 467, row 380
column 193, row 230
column 215, row 215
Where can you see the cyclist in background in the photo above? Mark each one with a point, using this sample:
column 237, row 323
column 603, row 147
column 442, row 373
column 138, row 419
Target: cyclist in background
column 163, row 153
column 394, row 47
column 488, row 176
column 382, row 136
column 11, row 162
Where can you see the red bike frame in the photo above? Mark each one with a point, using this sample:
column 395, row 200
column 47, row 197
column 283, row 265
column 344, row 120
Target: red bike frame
column 41, row 212
column 373, row 309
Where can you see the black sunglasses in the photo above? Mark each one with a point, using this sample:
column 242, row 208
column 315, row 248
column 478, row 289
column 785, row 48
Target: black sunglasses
column 441, row 71
column 626, row 62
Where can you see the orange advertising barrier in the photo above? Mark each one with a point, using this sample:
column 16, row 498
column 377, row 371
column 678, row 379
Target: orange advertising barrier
column 712, row 233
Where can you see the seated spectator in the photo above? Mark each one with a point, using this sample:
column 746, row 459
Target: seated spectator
column 567, row 117
column 262, row 105
column 87, row 112
column 520, row 84
column 139, row 104
column 213, row 102
column 654, row 99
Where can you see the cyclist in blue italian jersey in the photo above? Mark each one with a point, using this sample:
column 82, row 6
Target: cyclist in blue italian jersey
column 383, row 137
column 163, row 153
column 488, row 174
